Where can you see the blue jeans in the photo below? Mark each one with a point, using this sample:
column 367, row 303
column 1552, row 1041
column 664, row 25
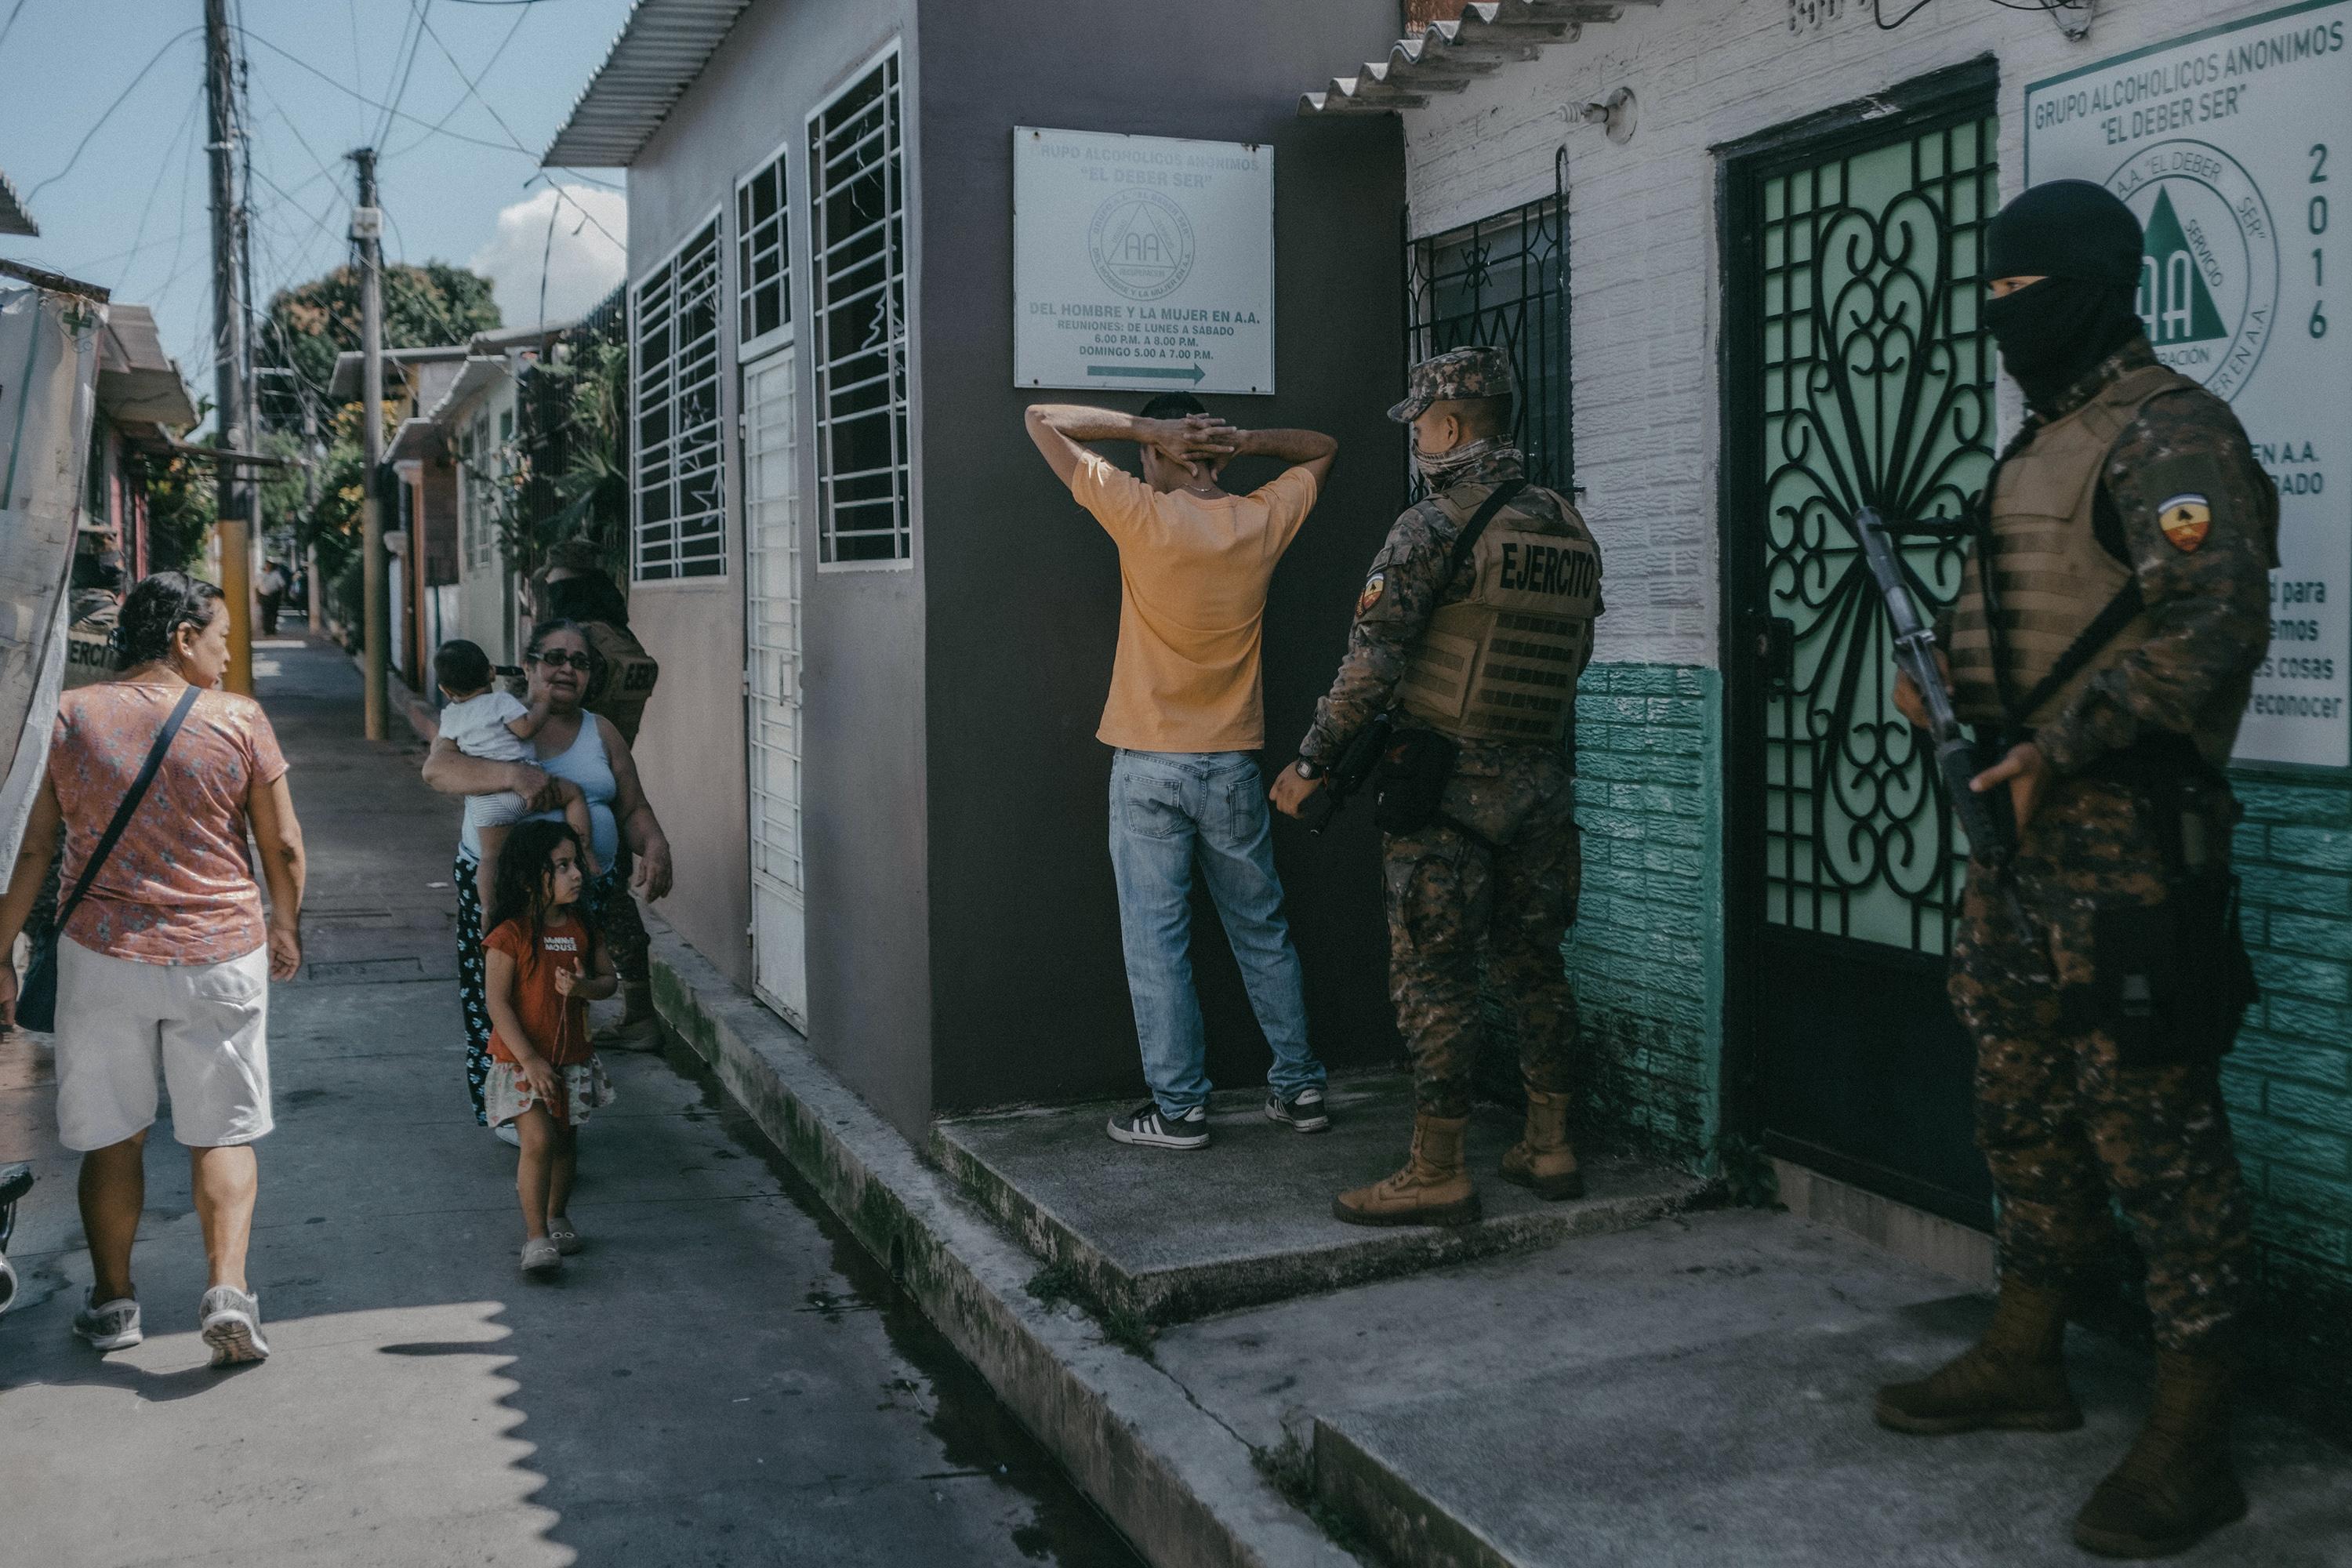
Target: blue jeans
column 1170, row 811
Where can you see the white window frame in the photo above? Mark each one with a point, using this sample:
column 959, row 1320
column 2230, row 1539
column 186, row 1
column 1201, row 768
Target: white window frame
column 749, row 348
column 706, row 570
column 823, row 362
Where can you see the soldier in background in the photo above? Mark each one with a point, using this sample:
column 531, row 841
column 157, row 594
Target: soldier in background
column 2100, row 1021
column 574, row 587
column 1484, row 645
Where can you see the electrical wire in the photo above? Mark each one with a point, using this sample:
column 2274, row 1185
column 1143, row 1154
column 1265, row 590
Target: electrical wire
column 83, row 145
column 375, row 103
column 520, row 17
column 18, row 9
column 170, row 149
column 415, row 48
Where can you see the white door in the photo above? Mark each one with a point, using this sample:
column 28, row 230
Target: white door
column 772, row 616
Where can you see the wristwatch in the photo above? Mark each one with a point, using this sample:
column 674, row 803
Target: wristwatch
column 1308, row 769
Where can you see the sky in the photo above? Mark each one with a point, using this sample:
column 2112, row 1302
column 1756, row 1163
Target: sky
column 129, row 212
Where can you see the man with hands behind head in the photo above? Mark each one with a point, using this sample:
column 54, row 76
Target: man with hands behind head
column 1186, row 717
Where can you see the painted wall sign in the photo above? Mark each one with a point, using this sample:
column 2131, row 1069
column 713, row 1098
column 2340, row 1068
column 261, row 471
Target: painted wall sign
column 2234, row 146
column 1141, row 262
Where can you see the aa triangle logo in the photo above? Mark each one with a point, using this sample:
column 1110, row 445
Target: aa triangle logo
column 2173, row 298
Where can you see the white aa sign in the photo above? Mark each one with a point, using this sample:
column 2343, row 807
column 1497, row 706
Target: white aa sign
column 1141, row 262
column 2233, row 146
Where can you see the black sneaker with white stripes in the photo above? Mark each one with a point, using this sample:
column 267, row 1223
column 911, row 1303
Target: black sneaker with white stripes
column 1153, row 1127
column 1302, row 1112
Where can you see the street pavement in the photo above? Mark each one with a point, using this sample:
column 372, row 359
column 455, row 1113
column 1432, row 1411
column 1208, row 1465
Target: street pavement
column 721, row 1377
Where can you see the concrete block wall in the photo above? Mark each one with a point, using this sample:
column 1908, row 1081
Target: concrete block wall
column 1644, row 949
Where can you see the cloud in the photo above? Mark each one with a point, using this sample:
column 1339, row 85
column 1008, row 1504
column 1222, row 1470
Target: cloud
column 583, row 260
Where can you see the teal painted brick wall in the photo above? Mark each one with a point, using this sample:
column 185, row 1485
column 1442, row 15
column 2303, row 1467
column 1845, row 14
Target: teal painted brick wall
column 1648, row 949
column 2289, row 1082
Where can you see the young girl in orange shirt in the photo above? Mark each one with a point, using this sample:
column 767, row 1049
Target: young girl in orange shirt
column 543, row 962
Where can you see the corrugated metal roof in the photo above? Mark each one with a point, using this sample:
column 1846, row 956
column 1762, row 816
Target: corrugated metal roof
column 14, row 218
column 137, row 381
column 1443, row 59
column 662, row 47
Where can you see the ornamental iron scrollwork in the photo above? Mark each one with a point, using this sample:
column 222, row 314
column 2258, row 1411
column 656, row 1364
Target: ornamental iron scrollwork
column 1878, row 391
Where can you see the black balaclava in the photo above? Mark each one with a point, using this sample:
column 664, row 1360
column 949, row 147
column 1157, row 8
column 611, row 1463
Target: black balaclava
column 2084, row 245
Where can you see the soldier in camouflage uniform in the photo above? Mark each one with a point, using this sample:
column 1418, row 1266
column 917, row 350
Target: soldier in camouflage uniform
column 2124, row 476
column 1484, row 646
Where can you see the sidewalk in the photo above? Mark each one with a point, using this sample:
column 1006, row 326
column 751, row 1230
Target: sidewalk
column 1692, row 1392
column 723, row 1376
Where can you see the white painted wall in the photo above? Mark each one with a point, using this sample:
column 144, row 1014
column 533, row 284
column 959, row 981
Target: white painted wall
column 482, row 588
column 1647, row 304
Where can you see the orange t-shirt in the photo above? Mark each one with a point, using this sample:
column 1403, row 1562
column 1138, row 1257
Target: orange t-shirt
column 558, row 1029
column 1193, row 574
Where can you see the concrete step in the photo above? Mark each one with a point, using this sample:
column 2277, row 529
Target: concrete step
column 1170, row 1236
column 1760, row 1452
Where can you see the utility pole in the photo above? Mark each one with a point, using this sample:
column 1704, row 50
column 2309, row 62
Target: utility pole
column 232, row 404
column 375, row 581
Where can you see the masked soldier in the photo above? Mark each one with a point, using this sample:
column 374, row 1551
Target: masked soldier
column 1475, row 621
column 2107, row 629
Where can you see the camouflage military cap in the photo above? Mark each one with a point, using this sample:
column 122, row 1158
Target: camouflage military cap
column 1458, row 373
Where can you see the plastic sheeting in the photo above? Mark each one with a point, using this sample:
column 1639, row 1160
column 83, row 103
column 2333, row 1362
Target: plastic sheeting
column 48, row 379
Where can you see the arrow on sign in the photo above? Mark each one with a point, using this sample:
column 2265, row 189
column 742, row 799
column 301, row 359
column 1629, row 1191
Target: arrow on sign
column 1173, row 373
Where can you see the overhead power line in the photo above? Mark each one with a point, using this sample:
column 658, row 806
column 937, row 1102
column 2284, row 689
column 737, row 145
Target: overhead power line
column 374, row 103
column 83, row 145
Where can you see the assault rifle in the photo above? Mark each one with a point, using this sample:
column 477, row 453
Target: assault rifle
column 1348, row 774
column 1985, row 818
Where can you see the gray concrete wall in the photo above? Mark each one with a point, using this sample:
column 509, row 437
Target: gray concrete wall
column 863, row 786
column 1029, row 993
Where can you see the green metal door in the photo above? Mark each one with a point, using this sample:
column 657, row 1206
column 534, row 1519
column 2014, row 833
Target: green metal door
column 1857, row 374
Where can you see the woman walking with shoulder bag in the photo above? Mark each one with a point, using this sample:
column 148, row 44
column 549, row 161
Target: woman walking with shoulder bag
column 162, row 958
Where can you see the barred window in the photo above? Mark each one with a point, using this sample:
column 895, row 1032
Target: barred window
column 680, row 525
column 764, row 279
column 857, row 251
column 479, row 457
column 1503, row 281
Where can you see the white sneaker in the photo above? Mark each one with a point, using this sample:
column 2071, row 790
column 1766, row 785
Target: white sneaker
column 109, row 1325
column 232, row 1325
column 505, row 1132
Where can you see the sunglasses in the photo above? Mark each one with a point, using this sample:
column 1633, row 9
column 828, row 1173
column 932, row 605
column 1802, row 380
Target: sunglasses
column 563, row 659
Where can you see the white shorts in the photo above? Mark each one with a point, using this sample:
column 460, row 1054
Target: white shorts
column 204, row 1024
column 500, row 810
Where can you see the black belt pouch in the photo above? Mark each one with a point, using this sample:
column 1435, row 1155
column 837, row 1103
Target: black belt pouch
column 2173, row 981
column 1413, row 777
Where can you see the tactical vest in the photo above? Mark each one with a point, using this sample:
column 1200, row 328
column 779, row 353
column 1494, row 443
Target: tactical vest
column 2054, row 574
column 627, row 680
column 1501, row 664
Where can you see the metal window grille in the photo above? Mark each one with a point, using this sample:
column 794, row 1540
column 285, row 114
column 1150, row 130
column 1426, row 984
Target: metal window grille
column 1503, row 281
column 479, row 455
column 680, row 523
column 858, row 288
column 763, row 290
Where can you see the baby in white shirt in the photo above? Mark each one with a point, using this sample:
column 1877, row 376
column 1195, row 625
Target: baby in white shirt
column 483, row 722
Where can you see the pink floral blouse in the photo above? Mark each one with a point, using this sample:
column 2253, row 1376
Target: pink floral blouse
column 177, row 888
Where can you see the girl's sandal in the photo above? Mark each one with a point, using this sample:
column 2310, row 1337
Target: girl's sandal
column 567, row 1240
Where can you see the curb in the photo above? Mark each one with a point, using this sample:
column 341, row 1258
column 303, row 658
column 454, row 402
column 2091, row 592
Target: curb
column 1181, row 1485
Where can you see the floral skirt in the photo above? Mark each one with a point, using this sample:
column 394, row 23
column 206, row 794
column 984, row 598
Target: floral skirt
column 506, row 1094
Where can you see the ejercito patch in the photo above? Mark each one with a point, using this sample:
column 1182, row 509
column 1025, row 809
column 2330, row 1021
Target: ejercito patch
column 1374, row 586
column 2186, row 519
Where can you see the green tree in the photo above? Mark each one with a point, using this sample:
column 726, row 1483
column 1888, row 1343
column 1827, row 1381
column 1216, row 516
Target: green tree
column 306, row 328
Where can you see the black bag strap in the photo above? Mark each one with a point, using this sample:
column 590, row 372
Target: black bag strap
column 130, row 804
column 2111, row 620
column 1498, row 498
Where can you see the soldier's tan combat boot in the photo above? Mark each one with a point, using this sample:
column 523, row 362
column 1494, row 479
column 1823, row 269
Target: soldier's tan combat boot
column 1542, row 1161
column 1433, row 1188
column 2015, row 1377
column 2178, row 1484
